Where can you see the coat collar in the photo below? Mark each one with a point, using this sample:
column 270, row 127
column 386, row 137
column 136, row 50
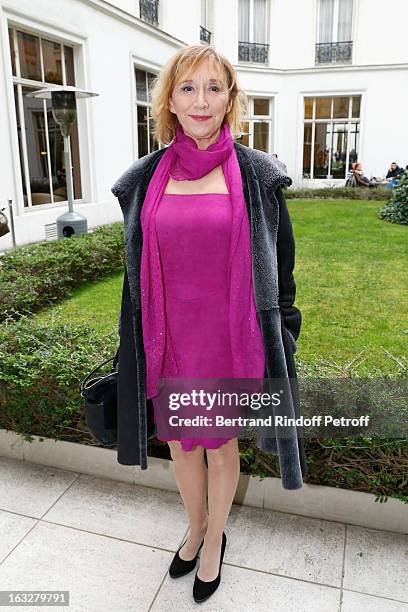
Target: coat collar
column 258, row 164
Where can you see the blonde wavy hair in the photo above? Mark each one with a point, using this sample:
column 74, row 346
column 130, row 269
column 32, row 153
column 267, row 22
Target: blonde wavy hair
column 164, row 122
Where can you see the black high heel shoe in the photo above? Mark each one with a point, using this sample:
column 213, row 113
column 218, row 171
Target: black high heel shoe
column 179, row 567
column 202, row 589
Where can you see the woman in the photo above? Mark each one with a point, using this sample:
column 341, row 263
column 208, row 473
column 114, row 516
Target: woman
column 361, row 179
column 208, row 289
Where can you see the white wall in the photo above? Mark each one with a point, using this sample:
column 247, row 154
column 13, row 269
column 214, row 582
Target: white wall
column 181, row 18
column 225, row 35
column 292, row 40
column 129, row 6
column 379, row 33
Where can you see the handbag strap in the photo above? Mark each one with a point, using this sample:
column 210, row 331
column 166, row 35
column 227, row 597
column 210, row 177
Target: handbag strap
column 115, row 362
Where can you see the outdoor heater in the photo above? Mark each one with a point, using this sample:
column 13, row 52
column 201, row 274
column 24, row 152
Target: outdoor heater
column 63, row 104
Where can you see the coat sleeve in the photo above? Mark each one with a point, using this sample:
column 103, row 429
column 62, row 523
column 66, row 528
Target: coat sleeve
column 125, row 297
column 292, row 317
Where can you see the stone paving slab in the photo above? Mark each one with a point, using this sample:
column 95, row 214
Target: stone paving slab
column 138, row 514
column 100, row 573
column 376, row 562
column 29, row 488
column 368, row 603
column 286, row 544
column 243, row 590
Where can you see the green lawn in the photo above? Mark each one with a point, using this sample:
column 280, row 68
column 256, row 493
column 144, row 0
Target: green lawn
column 352, row 278
column 96, row 303
column 351, row 274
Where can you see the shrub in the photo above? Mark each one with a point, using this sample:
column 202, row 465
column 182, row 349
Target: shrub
column 37, row 275
column 41, row 368
column 396, row 210
column 327, row 193
column 372, row 465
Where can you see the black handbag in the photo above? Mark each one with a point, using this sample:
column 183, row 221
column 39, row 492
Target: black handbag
column 101, row 406
column 100, row 396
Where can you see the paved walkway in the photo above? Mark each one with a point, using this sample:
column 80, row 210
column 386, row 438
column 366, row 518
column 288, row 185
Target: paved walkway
column 110, row 544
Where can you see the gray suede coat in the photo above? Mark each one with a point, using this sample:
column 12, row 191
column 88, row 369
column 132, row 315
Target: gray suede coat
column 273, row 259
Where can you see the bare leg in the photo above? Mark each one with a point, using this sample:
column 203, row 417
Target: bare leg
column 191, row 477
column 223, row 476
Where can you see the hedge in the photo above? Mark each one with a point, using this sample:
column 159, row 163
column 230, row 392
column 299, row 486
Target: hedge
column 40, row 375
column 41, row 274
column 336, row 193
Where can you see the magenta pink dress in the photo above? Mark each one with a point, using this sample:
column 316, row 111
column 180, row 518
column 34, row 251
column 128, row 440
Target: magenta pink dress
column 193, row 232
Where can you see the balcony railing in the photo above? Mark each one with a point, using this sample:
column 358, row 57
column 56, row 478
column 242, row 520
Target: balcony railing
column 253, row 52
column 334, row 53
column 205, row 35
column 149, row 11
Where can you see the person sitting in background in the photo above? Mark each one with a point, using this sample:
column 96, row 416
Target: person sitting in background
column 360, row 178
column 394, row 171
column 393, row 175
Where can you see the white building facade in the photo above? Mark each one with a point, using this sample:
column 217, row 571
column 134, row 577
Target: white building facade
column 326, row 80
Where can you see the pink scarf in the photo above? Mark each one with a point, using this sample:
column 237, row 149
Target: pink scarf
column 182, row 160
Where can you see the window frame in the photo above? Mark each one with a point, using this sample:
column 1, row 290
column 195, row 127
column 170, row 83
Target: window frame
column 207, row 15
column 251, row 119
column 335, row 23
column 76, row 43
column 251, row 21
column 252, row 18
column 349, row 121
column 140, row 64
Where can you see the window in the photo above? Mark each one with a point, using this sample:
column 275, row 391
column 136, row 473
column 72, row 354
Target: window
column 334, row 31
column 206, row 26
column 331, row 136
column 257, row 128
column 41, row 146
column 253, row 31
column 146, row 142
